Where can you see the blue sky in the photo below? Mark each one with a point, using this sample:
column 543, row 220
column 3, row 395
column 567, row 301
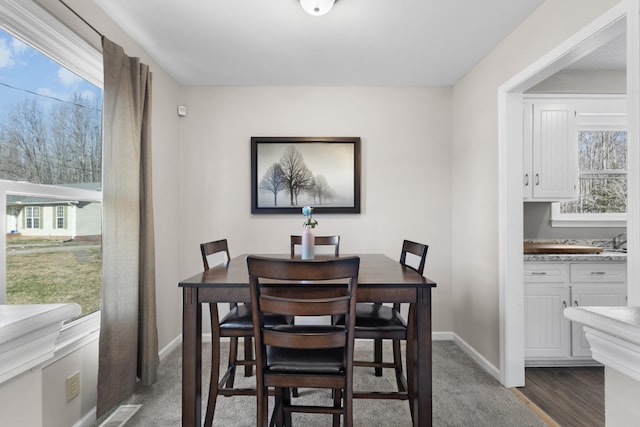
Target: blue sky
column 25, row 68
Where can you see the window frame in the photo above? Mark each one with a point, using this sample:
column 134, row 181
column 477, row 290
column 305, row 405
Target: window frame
column 36, row 27
column 595, row 114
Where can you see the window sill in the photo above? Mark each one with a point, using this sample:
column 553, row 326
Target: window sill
column 77, row 334
column 28, row 335
column 611, row 220
column 587, row 223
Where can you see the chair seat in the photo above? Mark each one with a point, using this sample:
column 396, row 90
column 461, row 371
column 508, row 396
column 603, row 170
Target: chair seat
column 380, row 317
column 300, row 361
column 240, row 318
column 312, row 361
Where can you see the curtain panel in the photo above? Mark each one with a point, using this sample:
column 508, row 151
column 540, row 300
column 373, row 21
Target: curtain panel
column 128, row 346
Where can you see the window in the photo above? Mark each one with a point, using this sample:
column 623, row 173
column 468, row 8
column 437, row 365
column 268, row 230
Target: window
column 50, row 161
column 602, row 169
column 32, row 217
column 60, row 217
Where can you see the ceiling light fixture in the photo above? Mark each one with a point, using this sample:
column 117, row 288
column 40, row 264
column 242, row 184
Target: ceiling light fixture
column 317, row 7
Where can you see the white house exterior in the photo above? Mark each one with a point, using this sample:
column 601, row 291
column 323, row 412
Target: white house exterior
column 30, row 216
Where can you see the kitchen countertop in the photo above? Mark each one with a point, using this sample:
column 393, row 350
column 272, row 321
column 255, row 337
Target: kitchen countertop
column 607, row 255
column 604, row 256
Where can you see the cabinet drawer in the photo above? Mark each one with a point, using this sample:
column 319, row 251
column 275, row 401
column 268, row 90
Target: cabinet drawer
column 599, row 272
column 546, row 272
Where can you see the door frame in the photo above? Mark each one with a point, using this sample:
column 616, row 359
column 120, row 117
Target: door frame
column 510, row 233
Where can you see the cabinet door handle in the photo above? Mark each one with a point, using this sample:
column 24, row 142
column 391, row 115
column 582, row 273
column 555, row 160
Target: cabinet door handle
column 538, row 273
column 526, row 179
column 598, row 273
column 537, row 179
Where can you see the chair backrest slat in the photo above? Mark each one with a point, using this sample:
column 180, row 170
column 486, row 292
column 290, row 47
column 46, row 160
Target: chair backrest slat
column 296, row 307
column 308, row 341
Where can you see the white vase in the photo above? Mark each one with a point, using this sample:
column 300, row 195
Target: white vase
column 308, row 242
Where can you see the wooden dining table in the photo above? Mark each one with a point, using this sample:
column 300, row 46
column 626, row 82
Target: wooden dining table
column 381, row 279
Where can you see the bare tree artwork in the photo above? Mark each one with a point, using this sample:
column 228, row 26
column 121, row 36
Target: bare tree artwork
column 273, row 181
column 290, row 172
column 321, row 190
column 292, row 175
column 297, row 176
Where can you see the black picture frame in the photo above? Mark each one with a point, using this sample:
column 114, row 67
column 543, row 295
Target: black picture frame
column 333, row 162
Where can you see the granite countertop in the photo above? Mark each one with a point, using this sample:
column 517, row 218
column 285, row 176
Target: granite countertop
column 607, row 255
column 601, row 257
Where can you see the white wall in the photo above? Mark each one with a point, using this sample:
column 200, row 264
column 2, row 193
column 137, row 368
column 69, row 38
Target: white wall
column 21, row 399
column 621, row 399
column 475, row 165
column 56, row 411
column 406, row 171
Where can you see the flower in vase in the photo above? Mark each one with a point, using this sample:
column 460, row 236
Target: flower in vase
column 309, row 222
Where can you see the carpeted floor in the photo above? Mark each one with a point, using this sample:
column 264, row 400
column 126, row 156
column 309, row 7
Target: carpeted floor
column 463, row 395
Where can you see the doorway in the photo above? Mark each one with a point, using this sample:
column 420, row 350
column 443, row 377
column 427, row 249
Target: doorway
column 622, row 18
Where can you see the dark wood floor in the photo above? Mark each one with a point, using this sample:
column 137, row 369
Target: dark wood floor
column 570, row 396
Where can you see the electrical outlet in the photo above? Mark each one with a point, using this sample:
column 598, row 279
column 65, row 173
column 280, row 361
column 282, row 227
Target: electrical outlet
column 73, row 386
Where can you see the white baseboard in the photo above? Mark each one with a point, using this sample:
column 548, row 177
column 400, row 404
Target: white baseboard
column 442, row 336
column 477, row 357
column 89, row 419
column 173, row 344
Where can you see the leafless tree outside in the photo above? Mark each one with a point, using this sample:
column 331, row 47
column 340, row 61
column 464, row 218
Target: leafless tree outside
column 60, row 145
column 602, row 173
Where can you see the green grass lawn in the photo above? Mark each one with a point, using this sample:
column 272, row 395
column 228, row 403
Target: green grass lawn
column 54, row 275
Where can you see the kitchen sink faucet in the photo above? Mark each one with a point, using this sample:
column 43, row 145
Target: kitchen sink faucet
column 619, row 241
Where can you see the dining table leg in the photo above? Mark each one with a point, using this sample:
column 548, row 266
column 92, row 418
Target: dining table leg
column 191, row 358
column 423, row 409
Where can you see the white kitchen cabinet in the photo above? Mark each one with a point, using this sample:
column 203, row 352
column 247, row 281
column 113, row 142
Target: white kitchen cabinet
column 587, row 290
column 547, row 332
column 550, row 152
column 550, row 287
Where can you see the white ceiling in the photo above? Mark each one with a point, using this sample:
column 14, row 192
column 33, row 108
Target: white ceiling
column 360, row 42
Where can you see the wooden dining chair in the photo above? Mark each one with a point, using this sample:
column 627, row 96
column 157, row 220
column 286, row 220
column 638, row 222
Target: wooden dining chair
column 381, row 322
column 235, row 324
column 319, row 241
column 309, row 356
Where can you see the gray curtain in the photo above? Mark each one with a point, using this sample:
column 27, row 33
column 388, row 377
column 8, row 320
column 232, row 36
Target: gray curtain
column 128, row 333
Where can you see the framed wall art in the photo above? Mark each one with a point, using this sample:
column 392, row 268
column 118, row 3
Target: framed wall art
column 288, row 173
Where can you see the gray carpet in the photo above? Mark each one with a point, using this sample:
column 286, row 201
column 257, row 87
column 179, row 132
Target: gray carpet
column 463, row 395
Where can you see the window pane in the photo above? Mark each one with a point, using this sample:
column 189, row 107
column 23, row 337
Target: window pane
column 599, row 193
column 602, row 150
column 50, row 134
column 602, row 173
column 48, row 265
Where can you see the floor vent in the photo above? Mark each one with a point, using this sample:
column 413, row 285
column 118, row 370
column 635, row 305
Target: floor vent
column 121, row 415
